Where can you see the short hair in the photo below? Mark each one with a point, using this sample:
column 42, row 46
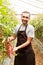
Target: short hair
column 26, row 12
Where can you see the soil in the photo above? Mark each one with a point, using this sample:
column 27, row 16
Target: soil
column 38, row 54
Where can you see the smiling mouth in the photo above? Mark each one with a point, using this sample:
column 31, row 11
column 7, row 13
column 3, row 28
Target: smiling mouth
column 24, row 21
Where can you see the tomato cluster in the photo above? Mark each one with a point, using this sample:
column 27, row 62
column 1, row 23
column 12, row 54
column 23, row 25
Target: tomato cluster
column 9, row 49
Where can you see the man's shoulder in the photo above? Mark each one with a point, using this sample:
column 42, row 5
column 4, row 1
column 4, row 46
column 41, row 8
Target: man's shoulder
column 30, row 26
column 17, row 27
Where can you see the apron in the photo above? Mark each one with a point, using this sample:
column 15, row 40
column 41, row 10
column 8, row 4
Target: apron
column 25, row 55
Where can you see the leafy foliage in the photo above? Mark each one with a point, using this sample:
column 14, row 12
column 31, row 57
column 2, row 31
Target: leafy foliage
column 38, row 24
column 8, row 21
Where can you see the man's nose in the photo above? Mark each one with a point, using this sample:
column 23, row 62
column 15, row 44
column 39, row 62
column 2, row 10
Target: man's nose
column 25, row 18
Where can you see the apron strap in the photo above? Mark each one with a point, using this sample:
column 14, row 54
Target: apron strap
column 20, row 27
column 26, row 27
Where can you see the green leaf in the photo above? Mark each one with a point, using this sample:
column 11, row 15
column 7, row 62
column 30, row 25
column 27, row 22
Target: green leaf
column 0, row 2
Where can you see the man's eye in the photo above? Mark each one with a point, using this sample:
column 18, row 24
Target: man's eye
column 23, row 16
column 27, row 17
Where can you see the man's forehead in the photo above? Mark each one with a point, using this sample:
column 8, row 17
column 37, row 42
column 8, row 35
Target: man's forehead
column 25, row 14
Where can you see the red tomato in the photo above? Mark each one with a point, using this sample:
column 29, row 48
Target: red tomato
column 9, row 49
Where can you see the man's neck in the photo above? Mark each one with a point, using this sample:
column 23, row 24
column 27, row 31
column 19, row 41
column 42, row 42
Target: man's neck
column 24, row 24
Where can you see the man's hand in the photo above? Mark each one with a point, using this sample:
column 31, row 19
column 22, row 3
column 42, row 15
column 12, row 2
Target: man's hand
column 9, row 39
column 15, row 49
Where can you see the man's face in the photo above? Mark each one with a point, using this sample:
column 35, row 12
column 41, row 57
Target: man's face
column 25, row 18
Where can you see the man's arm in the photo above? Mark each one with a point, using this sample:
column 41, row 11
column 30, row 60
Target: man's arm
column 13, row 37
column 24, row 44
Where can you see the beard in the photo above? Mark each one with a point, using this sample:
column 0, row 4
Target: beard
column 24, row 21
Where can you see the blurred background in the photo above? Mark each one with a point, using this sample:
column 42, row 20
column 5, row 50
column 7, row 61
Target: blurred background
column 10, row 16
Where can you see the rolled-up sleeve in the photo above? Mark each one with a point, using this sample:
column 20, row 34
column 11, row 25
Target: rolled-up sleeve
column 31, row 32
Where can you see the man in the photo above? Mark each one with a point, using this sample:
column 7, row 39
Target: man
column 24, row 34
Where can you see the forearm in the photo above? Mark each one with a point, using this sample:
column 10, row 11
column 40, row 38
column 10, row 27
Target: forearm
column 13, row 37
column 24, row 44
